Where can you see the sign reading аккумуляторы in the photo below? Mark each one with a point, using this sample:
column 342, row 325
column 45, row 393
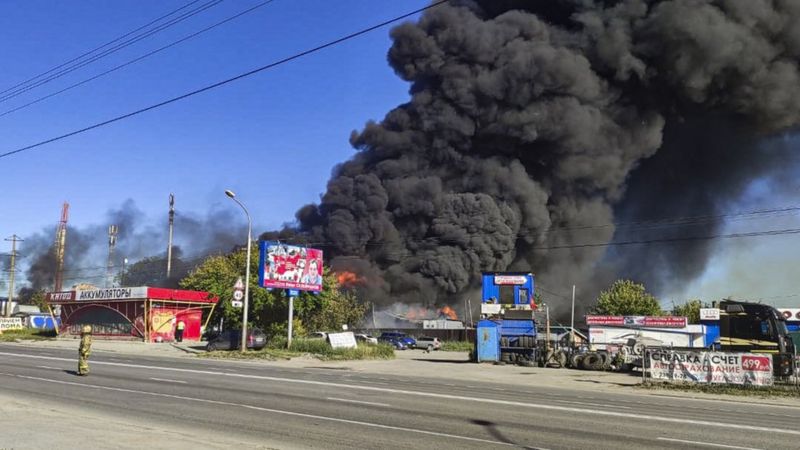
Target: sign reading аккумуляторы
column 710, row 367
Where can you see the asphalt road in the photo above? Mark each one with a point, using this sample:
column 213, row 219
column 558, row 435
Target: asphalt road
column 259, row 405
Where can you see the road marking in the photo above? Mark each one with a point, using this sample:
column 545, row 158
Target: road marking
column 735, row 426
column 592, row 404
column 358, row 401
column 168, row 381
column 708, row 444
column 49, row 367
column 259, row 408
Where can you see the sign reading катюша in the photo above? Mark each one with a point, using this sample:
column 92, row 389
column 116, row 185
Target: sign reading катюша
column 710, row 367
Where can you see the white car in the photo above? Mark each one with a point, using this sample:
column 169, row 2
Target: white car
column 428, row 343
column 367, row 339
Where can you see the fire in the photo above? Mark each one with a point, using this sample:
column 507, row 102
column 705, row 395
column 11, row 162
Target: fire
column 347, row 279
column 449, row 312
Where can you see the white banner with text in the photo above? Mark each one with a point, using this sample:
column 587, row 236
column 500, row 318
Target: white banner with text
column 710, row 367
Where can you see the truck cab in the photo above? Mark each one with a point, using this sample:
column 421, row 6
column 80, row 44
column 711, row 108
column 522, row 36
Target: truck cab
column 753, row 328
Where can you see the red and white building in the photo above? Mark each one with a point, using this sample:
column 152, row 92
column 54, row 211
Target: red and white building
column 147, row 313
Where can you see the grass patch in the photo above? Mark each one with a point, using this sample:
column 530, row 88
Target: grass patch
column 456, row 346
column 316, row 348
column 778, row 390
column 27, row 334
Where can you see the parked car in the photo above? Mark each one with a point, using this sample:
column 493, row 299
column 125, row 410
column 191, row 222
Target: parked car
column 367, row 339
column 232, row 340
column 428, row 343
column 407, row 340
column 318, row 335
column 396, row 343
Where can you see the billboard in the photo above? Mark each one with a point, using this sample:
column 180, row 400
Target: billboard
column 283, row 266
column 711, row 367
column 638, row 321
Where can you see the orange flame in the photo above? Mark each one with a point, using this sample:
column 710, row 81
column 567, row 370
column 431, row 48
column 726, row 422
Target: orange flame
column 348, row 279
column 449, row 312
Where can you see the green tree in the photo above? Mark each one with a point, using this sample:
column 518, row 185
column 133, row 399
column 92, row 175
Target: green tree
column 690, row 309
column 326, row 310
column 218, row 274
column 626, row 298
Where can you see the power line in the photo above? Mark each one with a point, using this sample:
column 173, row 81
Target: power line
column 135, row 60
column 105, row 53
column 100, row 47
column 227, row 81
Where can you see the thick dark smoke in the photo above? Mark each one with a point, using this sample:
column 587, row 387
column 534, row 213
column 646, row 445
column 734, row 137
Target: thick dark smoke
column 531, row 122
column 138, row 240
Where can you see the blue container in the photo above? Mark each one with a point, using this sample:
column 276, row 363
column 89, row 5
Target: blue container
column 487, row 341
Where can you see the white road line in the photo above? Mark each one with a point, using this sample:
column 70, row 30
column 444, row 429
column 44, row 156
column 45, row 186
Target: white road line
column 168, row 381
column 593, row 404
column 357, row 401
column 708, row 444
column 49, row 367
column 735, row 426
column 258, row 408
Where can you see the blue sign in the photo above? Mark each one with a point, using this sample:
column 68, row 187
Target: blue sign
column 294, row 292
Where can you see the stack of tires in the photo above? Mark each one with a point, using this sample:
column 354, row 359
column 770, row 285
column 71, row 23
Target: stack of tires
column 591, row 361
column 525, row 357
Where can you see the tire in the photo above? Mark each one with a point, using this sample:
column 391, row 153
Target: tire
column 561, row 357
column 576, row 360
column 589, row 361
column 605, row 360
column 505, row 357
column 211, row 347
column 503, row 342
column 430, row 348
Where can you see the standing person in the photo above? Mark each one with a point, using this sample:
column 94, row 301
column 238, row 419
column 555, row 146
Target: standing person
column 84, row 350
column 179, row 331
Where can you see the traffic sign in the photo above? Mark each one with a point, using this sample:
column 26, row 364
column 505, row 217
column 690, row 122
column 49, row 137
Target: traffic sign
column 238, row 295
column 294, row 292
column 239, row 286
column 237, row 304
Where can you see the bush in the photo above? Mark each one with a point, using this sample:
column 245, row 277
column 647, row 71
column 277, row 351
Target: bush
column 317, row 348
column 34, row 334
column 456, row 346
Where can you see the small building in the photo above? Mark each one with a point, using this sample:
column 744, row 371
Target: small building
column 143, row 312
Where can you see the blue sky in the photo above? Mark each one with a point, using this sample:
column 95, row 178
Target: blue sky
column 272, row 138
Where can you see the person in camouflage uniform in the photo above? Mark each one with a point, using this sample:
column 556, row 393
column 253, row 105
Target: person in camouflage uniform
column 84, row 350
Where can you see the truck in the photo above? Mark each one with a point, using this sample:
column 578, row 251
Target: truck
column 729, row 326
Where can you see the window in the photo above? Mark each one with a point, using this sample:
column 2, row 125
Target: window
column 507, row 294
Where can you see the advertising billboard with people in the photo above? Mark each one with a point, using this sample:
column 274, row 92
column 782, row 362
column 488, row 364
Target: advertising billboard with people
column 284, row 266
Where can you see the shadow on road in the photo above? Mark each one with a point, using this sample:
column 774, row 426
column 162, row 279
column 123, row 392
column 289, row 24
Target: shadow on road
column 604, row 382
column 491, row 427
column 448, row 361
column 72, row 372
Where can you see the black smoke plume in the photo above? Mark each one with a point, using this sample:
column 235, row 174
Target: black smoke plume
column 530, row 123
column 139, row 240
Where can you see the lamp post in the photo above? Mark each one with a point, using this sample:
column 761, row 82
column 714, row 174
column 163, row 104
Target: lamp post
column 122, row 275
column 246, row 270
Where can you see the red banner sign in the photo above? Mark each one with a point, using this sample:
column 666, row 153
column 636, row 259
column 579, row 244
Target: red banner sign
column 638, row 321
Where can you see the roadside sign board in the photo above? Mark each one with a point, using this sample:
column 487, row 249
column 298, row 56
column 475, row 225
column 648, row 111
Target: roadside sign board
column 284, row 266
column 342, row 340
column 709, row 313
column 294, row 292
column 638, row 321
column 710, row 367
column 238, row 295
column 237, row 303
column 239, row 285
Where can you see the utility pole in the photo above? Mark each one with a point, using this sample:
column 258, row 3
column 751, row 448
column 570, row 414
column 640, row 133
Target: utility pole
column 572, row 320
column 169, row 243
column 14, row 239
column 112, row 242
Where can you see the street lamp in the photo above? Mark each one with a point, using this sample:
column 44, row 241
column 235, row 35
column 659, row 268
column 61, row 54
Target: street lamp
column 230, row 194
column 122, row 275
